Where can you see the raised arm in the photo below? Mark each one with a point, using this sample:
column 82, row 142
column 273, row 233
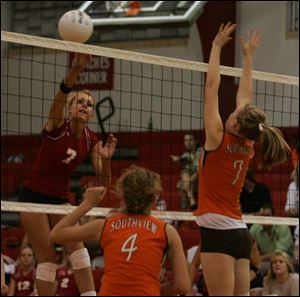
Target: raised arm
column 212, row 120
column 101, row 157
column 66, row 230
column 56, row 114
column 244, row 94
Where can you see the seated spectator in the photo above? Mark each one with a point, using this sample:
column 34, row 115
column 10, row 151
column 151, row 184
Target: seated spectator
column 189, row 172
column 256, row 277
column 254, row 195
column 66, row 285
column 198, row 287
column 270, row 238
column 4, row 287
column 281, row 279
column 9, row 267
column 292, row 202
column 22, row 282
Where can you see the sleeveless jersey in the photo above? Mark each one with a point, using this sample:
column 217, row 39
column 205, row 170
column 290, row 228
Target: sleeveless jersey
column 221, row 176
column 66, row 285
column 24, row 283
column 58, row 158
column 133, row 247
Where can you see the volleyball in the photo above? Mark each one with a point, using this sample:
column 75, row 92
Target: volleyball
column 76, row 26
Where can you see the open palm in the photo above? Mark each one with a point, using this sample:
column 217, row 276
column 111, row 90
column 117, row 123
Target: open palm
column 81, row 60
column 223, row 35
column 252, row 44
column 109, row 148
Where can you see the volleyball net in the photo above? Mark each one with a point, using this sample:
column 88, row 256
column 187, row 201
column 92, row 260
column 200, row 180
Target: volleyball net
column 149, row 102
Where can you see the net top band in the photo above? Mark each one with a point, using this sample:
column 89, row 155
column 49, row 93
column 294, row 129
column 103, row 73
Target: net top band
column 56, row 44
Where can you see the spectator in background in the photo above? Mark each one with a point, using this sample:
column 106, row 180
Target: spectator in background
column 256, row 277
column 66, row 285
column 4, row 287
column 254, row 196
column 292, row 202
column 22, row 282
column 270, row 238
column 195, row 272
column 281, row 279
column 189, row 172
column 9, row 267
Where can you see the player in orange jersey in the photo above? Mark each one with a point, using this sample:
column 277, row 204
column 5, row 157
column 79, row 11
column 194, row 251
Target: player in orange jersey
column 226, row 243
column 133, row 241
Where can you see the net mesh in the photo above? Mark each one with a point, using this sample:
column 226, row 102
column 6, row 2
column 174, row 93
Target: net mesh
column 148, row 102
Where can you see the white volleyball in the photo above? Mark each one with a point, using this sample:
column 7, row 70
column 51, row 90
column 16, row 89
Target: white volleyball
column 75, row 26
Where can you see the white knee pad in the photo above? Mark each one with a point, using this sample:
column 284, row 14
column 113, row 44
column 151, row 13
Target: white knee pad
column 80, row 259
column 46, row 272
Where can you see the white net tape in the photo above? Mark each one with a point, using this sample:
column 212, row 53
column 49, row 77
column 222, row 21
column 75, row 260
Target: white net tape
column 137, row 57
column 102, row 212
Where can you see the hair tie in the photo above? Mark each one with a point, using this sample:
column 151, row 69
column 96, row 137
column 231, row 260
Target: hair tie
column 261, row 127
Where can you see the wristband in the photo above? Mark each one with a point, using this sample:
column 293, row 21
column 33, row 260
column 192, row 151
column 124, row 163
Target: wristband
column 65, row 89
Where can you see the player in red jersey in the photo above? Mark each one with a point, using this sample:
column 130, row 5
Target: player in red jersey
column 66, row 143
column 226, row 243
column 66, row 285
column 22, row 282
column 133, row 242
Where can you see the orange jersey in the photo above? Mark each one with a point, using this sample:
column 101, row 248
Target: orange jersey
column 221, row 176
column 133, row 247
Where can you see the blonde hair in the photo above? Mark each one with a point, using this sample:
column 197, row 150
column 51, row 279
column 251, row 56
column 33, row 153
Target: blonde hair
column 286, row 259
column 138, row 187
column 33, row 263
column 72, row 95
column 274, row 149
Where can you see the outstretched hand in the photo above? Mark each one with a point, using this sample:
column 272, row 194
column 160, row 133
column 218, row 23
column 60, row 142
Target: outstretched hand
column 223, row 35
column 80, row 61
column 94, row 195
column 107, row 151
column 252, row 44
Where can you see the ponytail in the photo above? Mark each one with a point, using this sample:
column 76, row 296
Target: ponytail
column 274, row 149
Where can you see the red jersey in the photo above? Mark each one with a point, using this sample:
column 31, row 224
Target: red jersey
column 66, row 285
column 59, row 156
column 221, row 176
column 24, row 283
column 133, row 247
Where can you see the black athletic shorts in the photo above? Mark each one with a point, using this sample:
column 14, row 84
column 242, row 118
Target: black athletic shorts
column 234, row 242
column 27, row 195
